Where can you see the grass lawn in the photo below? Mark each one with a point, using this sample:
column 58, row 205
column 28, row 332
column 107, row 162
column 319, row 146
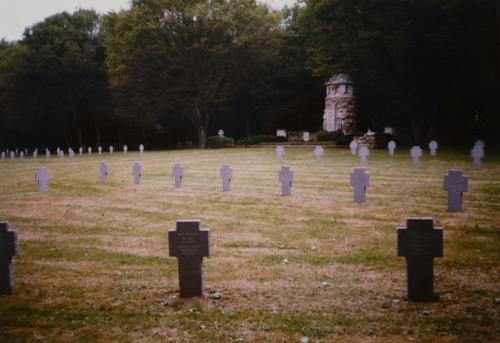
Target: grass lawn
column 94, row 262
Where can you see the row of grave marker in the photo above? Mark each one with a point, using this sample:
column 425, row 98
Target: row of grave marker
column 455, row 182
column 419, row 242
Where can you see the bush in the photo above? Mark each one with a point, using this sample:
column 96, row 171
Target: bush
column 328, row 136
column 252, row 140
column 217, row 142
column 344, row 139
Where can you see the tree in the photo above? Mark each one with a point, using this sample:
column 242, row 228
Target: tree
column 186, row 57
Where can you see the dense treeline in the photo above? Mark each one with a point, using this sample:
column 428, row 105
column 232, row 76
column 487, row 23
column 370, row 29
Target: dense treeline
column 170, row 71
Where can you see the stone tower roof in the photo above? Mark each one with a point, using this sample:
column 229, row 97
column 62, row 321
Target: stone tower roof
column 339, row 79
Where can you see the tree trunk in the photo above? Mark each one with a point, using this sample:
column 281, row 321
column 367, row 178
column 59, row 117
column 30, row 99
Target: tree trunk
column 80, row 136
column 202, row 136
column 97, row 135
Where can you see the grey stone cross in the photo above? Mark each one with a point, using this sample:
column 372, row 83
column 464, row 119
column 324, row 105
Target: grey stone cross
column 364, row 152
column 9, row 246
column 391, row 146
column 354, row 148
column 125, row 149
column 455, row 183
column 226, row 174
column 99, row 149
column 141, row 149
column 111, row 149
column 189, row 244
column 433, row 146
column 89, row 150
column 360, row 180
column 286, row 180
column 280, row 152
column 416, row 154
column 420, row 242
column 178, row 173
column 477, row 153
column 137, row 170
column 104, row 169
column 319, row 152
column 42, row 179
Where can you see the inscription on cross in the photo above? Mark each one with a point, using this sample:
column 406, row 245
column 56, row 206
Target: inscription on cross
column 178, row 172
column 419, row 243
column 226, row 174
column 455, row 183
column 9, row 246
column 189, row 244
column 286, row 180
column 360, row 180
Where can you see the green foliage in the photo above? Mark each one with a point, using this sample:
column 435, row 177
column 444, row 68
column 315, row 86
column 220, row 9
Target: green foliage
column 253, row 140
column 329, row 135
column 343, row 139
column 217, row 142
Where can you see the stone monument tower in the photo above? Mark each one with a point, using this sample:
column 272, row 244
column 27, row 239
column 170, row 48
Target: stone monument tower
column 339, row 104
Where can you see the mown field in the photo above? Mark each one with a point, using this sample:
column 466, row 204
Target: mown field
column 94, row 265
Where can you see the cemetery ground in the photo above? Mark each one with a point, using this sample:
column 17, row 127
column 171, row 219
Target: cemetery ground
column 94, row 265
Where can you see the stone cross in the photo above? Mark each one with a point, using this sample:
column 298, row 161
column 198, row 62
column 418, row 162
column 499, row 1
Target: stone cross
column 420, row 242
column 286, row 179
column 137, row 170
column 104, row 169
column 226, row 174
column 125, row 149
column 433, row 146
column 280, row 152
column 21, row 155
column 12, row 155
column 57, row 151
column 360, row 180
column 3, row 155
column 9, row 246
column 354, row 148
column 455, row 183
column 477, row 153
column 47, row 153
column 319, row 153
column 141, row 149
column 26, row 152
column 189, row 244
column 364, row 152
column 71, row 153
column 391, row 146
column 306, row 136
column 35, row 154
column 42, row 179
column 89, row 150
column 61, row 154
column 178, row 172
column 99, row 149
column 416, row 154
column 80, row 151
column 111, row 149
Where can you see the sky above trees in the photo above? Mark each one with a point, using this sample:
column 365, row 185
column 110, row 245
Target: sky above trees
column 16, row 15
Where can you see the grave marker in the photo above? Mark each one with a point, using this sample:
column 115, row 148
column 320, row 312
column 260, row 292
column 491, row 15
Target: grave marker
column 42, row 179
column 455, row 183
column 104, row 169
column 354, row 148
column 137, row 170
column 89, row 150
column 319, row 152
column 360, row 180
column 364, row 152
column 226, row 174
column 71, row 153
column 280, row 152
column 80, row 151
column 99, row 150
column 391, row 146
column 189, row 244
column 433, row 146
column 47, row 153
column 35, row 153
column 125, row 149
column 9, row 246
column 21, row 155
column 178, row 172
column 306, row 136
column 12, row 155
column 141, row 149
column 281, row 133
column 419, row 243
column 111, row 149
column 477, row 153
column 479, row 143
column 416, row 154
column 286, row 179
column 3, row 155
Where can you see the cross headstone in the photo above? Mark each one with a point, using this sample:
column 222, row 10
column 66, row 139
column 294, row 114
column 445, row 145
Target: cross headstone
column 319, row 152
column 57, row 151
column 99, row 149
column 80, row 151
column 141, row 149
column 42, row 179
column 280, row 152
column 226, row 174
column 9, row 246
column 455, row 183
column 104, row 169
column 3, row 155
column 354, row 148
column 21, row 155
column 17, row 152
column 477, row 153
column 391, row 146
column 306, row 136
column 420, row 242
column 26, row 152
column 189, row 244
column 111, row 149
column 47, row 153
column 35, row 153
column 286, row 180
column 89, row 150
column 125, row 149
column 178, row 172
column 71, row 153
column 364, row 152
column 360, row 180
column 416, row 154
column 433, row 146
column 61, row 154
column 137, row 170
column 12, row 155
